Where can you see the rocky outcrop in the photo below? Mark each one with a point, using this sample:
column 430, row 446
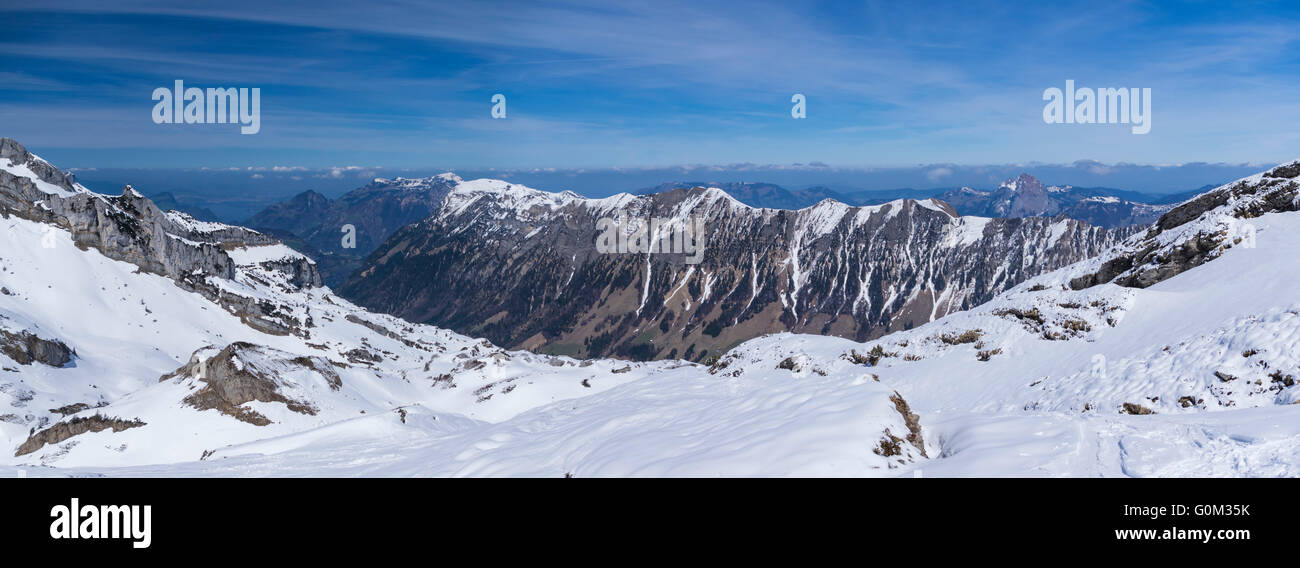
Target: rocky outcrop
column 1198, row 230
column 16, row 154
column 77, row 425
column 24, row 347
column 130, row 228
column 242, row 372
column 912, row 421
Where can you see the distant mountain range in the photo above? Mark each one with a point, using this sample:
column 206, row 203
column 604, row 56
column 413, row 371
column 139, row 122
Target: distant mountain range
column 317, row 225
column 1023, row 196
column 167, row 201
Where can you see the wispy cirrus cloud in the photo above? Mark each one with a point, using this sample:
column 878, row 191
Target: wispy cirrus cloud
column 594, row 84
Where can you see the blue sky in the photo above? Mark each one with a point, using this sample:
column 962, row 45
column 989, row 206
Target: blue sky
column 649, row 84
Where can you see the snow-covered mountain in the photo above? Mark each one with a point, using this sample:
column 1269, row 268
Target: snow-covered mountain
column 1021, row 196
column 522, row 268
column 1175, row 353
column 133, row 337
column 1172, row 353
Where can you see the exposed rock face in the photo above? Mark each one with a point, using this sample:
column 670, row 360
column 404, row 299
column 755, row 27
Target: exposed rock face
column 1025, row 196
column 243, row 372
column 1198, row 230
column 520, row 267
column 24, row 347
column 77, row 425
column 131, row 228
column 913, row 423
column 314, row 224
column 128, row 227
column 16, row 154
column 70, row 409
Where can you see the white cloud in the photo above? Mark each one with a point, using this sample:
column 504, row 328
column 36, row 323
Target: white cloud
column 938, row 173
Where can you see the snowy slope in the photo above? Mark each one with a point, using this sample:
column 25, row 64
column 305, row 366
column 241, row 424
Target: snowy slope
column 225, row 347
column 125, row 343
column 1050, row 380
column 1045, row 380
column 1067, row 374
column 798, row 404
column 129, row 329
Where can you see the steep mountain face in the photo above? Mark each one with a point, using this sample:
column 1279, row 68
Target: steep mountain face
column 132, row 229
column 521, row 267
column 132, row 339
column 316, row 225
column 303, row 214
column 1025, row 196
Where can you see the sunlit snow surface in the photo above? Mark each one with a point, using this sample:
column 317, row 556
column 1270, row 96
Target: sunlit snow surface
column 1035, row 407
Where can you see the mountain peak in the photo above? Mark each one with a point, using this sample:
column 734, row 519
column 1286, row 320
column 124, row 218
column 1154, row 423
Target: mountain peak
column 11, row 150
column 940, row 205
column 1023, row 182
column 17, row 160
column 1288, row 170
column 714, row 191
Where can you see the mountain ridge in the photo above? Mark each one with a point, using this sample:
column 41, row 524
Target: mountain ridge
column 131, row 354
column 1188, row 374
column 497, row 259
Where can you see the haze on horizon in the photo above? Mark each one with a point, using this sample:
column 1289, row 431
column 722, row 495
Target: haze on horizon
column 649, row 84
